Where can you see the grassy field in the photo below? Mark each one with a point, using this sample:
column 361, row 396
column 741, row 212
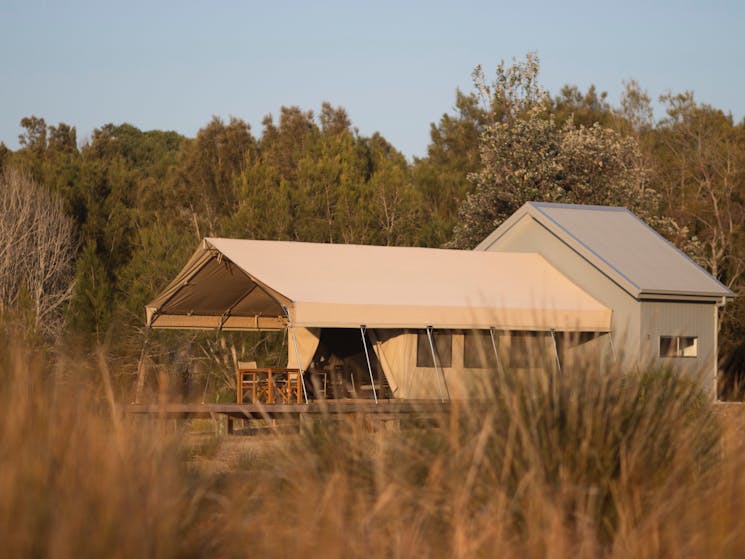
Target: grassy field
column 586, row 464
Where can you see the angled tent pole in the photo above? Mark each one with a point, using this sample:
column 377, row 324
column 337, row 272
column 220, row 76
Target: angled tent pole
column 493, row 335
column 556, row 350
column 369, row 367
column 612, row 347
column 291, row 330
column 187, row 274
column 434, row 362
column 229, row 310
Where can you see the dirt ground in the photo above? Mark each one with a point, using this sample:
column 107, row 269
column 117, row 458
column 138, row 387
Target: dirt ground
column 213, row 452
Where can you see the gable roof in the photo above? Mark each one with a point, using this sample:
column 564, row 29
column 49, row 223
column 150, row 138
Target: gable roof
column 621, row 246
column 244, row 284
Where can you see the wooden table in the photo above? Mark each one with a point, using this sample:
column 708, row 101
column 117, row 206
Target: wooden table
column 269, row 385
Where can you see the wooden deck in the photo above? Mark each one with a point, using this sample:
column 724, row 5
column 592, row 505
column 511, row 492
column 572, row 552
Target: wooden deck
column 379, row 413
column 274, row 411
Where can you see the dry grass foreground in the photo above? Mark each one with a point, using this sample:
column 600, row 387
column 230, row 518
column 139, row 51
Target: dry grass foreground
column 587, row 464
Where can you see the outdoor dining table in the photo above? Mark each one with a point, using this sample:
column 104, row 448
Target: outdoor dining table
column 269, row 385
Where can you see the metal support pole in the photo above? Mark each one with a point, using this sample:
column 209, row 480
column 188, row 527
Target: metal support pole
column 556, row 350
column 434, row 362
column 496, row 352
column 369, row 367
column 612, row 347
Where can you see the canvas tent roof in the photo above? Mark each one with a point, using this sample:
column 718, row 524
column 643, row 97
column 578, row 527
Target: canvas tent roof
column 623, row 247
column 246, row 284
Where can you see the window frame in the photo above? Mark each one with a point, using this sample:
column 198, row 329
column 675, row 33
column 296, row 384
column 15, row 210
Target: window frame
column 676, row 349
column 443, row 342
column 529, row 340
column 483, row 356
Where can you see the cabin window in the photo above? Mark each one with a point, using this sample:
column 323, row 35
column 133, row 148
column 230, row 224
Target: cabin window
column 525, row 349
column 443, row 342
column 678, row 346
column 478, row 351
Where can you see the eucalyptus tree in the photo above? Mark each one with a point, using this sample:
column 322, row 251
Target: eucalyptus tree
column 701, row 170
column 453, row 153
column 526, row 155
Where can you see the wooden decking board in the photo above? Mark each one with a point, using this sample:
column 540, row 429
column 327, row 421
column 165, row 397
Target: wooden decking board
column 278, row 410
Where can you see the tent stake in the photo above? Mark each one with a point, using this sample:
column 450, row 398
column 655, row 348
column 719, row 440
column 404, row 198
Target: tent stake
column 369, row 367
column 556, row 350
column 434, row 362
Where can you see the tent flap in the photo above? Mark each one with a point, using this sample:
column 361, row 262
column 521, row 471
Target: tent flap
column 307, row 343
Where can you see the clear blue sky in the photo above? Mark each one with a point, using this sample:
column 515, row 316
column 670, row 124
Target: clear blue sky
column 394, row 65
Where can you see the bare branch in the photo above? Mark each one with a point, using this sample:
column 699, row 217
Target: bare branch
column 36, row 251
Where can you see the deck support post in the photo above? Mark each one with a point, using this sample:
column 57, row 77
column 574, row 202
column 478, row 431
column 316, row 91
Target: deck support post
column 369, row 367
column 434, row 362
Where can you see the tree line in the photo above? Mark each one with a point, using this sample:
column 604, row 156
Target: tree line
column 133, row 204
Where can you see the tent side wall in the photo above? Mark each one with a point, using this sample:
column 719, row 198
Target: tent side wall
column 397, row 353
column 528, row 235
column 582, row 351
column 475, row 382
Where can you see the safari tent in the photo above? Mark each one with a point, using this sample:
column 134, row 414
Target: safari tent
column 421, row 323
column 555, row 283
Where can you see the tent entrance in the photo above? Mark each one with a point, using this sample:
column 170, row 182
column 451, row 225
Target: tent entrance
column 339, row 367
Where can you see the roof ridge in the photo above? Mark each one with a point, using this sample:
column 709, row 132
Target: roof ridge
column 578, row 206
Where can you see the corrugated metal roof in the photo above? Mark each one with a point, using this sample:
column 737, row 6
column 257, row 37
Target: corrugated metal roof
column 623, row 247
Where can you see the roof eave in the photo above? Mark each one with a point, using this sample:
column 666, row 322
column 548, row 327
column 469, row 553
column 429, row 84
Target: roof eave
column 688, row 296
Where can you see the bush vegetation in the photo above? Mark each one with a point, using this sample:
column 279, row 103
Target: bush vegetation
column 588, row 463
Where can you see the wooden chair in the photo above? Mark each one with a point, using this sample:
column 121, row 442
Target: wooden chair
column 246, row 384
column 294, row 391
column 342, row 382
column 268, row 385
column 319, row 382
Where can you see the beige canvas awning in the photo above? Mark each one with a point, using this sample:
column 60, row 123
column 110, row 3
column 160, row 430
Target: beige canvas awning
column 245, row 284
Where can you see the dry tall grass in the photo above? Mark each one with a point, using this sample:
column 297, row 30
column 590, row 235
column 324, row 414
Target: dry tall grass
column 584, row 464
